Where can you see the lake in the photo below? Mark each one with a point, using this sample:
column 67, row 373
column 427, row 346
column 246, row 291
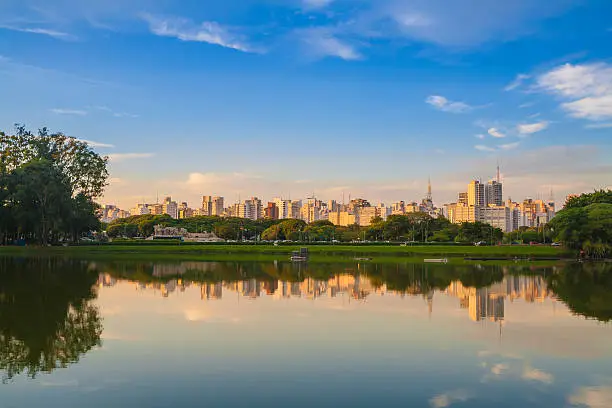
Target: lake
column 77, row 333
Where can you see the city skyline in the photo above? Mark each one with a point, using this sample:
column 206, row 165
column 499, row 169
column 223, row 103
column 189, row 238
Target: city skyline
column 283, row 98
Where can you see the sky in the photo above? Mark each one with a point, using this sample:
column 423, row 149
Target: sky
column 288, row 98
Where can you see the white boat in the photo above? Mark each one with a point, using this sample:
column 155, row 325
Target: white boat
column 299, row 258
column 436, row 260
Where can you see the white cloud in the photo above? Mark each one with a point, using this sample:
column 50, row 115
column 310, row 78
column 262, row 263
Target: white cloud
column 533, row 374
column 495, row 132
column 117, row 157
column 592, row 397
column 588, row 87
column 448, row 398
column 530, row 128
column 479, row 136
column 484, row 148
column 61, row 111
column 322, row 43
column 509, row 146
column 116, row 114
column 595, row 108
column 445, row 105
column 91, row 143
column 43, row 31
column 534, row 115
column 518, row 81
column 413, row 20
column 498, row 369
column 599, row 126
column 208, row 32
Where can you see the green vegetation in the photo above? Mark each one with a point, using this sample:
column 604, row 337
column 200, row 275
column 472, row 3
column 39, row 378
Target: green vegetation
column 416, row 227
column 586, row 223
column 586, row 289
column 319, row 253
column 48, row 183
column 47, row 319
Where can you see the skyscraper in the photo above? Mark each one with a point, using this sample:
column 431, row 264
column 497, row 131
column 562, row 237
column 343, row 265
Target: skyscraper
column 476, row 194
column 494, row 193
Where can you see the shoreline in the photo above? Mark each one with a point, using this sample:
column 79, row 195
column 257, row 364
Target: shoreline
column 318, row 253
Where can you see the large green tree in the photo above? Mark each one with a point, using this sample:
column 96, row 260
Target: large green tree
column 586, row 223
column 48, row 184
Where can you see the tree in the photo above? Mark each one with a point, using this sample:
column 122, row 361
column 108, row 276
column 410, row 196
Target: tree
column 39, row 196
column 83, row 168
column 47, row 318
column 586, row 223
column 48, row 183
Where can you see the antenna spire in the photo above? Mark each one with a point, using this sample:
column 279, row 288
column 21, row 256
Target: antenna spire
column 498, row 174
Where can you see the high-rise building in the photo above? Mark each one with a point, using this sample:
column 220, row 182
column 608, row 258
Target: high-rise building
column 170, row 207
column 494, row 193
column 463, row 198
column 271, row 211
column 207, row 205
column 217, row 206
column 476, row 194
column 284, row 208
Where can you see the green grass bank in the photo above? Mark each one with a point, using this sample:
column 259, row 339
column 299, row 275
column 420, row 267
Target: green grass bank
column 224, row 252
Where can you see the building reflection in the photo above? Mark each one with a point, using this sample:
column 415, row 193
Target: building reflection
column 485, row 303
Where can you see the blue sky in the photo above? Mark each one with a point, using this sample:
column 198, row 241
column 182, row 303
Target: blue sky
column 270, row 98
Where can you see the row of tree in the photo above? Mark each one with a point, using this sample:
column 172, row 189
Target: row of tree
column 417, row 227
column 48, row 184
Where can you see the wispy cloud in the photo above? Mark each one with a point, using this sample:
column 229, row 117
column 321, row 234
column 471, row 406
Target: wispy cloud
column 526, row 105
column 598, row 126
column 316, row 3
column 445, row 105
column 533, row 374
column 587, row 87
column 42, row 31
column 62, row 111
column 324, row 43
column 97, row 144
column 449, row 398
column 496, row 132
column 509, row 146
column 592, row 397
column 118, row 157
column 517, row 82
column 116, row 114
column 484, row 148
column 480, row 136
column 208, row 32
column 530, row 128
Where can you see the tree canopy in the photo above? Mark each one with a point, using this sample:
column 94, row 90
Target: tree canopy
column 586, row 223
column 48, row 184
column 47, row 319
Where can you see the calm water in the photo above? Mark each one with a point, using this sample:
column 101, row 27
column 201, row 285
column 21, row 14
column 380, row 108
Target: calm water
column 193, row 334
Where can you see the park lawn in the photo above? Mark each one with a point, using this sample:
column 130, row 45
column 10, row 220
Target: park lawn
column 226, row 252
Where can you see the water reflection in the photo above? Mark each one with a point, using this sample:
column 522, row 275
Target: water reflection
column 47, row 319
column 178, row 333
column 482, row 290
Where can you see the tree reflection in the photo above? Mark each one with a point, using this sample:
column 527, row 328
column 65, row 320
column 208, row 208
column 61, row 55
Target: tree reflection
column 586, row 289
column 47, row 320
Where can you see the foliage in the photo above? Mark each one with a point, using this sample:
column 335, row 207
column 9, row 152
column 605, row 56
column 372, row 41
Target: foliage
column 47, row 319
column 585, row 200
column 48, row 183
column 586, row 289
column 586, row 223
